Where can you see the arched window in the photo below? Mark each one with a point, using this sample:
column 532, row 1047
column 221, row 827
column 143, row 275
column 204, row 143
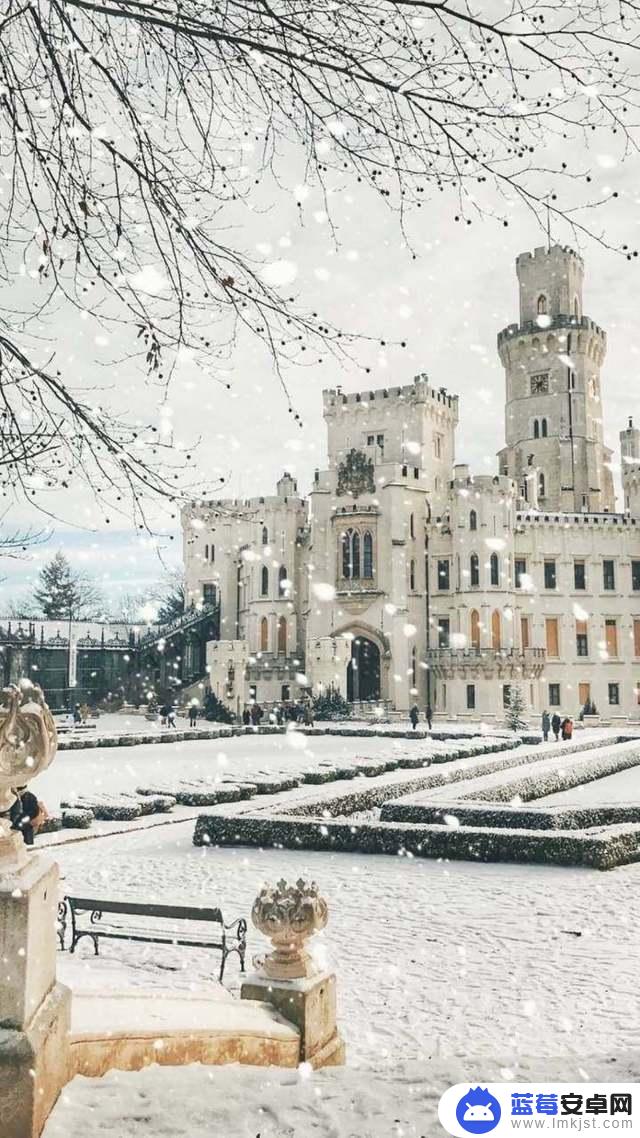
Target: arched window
column 213, row 553
column 265, row 535
column 206, row 552
column 542, row 305
column 264, row 635
column 264, row 582
column 474, row 566
column 495, row 630
column 367, row 556
column 282, row 636
column 412, row 575
column 536, row 429
column 495, row 569
column 475, row 628
column 473, row 520
column 411, row 526
column 351, row 554
column 544, row 428
column 283, row 584
column 576, row 312
column 541, row 485
column 413, row 667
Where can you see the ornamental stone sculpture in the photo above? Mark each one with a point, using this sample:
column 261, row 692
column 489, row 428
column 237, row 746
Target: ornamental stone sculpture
column 28, row 743
column 288, row 915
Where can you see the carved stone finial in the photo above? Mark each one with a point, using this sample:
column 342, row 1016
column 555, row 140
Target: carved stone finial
column 28, row 743
column 288, row 915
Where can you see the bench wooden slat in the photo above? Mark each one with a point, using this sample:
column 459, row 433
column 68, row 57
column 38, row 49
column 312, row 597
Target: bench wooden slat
column 142, row 908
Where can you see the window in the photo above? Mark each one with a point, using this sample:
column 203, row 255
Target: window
column 404, row 471
column 544, row 428
column 524, row 631
column 264, row 583
column 608, row 576
column 495, row 631
column 443, row 632
column 536, row 429
column 475, row 629
column 494, row 568
column 351, row 554
column 371, row 440
column 542, row 305
column 636, row 637
column 611, row 637
column 282, row 636
column 265, row 535
column 541, row 485
column 554, row 695
column 412, row 575
column 380, row 441
column 264, row 635
column 614, row 694
column 471, row 697
column 283, row 584
column 367, row 556
column 416, row 472
column 474, row 569
column 520, row 569
column 209, row 594
column 584, row 694
column 413, row 667
column 206, row 552
column 582, row 640
column 473, row 520
column 443, row 574
column 551, row 635
column 549, row 574
column 506, row 695
column 579, row 575
column 285, row 693
column 437, row 446
column 412, row 529
column 635, row 576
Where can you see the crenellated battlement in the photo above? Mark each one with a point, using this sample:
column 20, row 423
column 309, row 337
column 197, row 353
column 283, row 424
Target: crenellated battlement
column 418, row 391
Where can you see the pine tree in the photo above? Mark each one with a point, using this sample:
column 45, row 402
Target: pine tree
column 330, row 704
column 63, row 593
column 516, row 710
column 216, row 711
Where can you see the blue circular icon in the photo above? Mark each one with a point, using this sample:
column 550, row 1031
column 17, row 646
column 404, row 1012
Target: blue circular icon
column 478, row 1111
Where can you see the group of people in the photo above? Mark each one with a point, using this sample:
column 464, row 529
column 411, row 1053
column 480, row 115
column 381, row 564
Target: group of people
column 81, row 713
column 562, row 728
column 414, row 715
column 281, row 713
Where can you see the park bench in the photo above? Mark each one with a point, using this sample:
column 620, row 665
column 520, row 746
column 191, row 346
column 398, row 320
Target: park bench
column 152, row 924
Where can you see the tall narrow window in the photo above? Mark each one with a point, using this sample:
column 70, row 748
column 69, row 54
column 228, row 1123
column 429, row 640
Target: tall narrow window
column 582, row 638
column 473, row 520
column 636, row 637
column 524, row 632
column 541, row 485
column 579, row 575
column 536, row 429
column 635, row 576
column 282, row 636
column 351, row 554
column 550, row 579
column 520, row 571
column 543, row 428
column 475, row 629
column 412, row 575
column 264, row 582
column 283, row 584
column 367, row 556
column 584, row 694
column 471, row 697
column 443, row 574
column 412, row 526
column 413, row 667
column 608, row 575
column 494, row 568
column 443, row 632
column 611, row 637
column 495, row 631
column 474, row 569
column 542, row 305
column 265, row 535
column 551, row 632
column 264, row 635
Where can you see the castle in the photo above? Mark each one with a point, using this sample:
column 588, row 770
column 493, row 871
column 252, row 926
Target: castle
column 404, row 579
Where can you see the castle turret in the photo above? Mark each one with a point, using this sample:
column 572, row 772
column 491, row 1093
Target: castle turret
column 630, row 464
column 552, row 361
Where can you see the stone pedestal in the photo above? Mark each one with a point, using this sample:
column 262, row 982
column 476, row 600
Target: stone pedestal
column 310, row 1004
column 34, row 1009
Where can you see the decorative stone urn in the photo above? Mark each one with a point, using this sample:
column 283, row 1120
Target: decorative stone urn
column 28, row 743
column 288, row 915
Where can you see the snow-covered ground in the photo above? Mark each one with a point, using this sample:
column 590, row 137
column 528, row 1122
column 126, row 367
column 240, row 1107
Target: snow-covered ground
column 623, row 787
column 445, row 971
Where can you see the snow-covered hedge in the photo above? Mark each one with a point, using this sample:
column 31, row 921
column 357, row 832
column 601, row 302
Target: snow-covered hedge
column 77, row 819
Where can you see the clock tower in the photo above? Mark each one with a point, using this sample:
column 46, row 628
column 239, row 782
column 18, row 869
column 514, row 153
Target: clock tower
column 553, row 411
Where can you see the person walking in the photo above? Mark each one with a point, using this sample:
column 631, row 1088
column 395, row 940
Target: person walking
column 414, row 716
column 556, row 725
column 193, row 714
column 567, row 728
column 246, row 716
column 546, row 724
column 429, row 715
column 171, row 715
column 77, row 715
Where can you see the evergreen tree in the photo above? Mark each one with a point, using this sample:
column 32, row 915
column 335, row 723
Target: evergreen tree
column 216, row 711
column 63, row 593
column 330, row 704
column 516, row 710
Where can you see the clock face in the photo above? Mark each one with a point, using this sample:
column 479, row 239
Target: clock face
column 539, row 384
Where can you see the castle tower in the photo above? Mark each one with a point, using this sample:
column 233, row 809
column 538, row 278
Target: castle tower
column 630, row 463
column 553, row 410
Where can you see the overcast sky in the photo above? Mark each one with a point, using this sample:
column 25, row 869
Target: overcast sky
column 448, row 297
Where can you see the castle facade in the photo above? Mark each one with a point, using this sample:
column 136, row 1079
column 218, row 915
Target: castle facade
column 403, row 578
